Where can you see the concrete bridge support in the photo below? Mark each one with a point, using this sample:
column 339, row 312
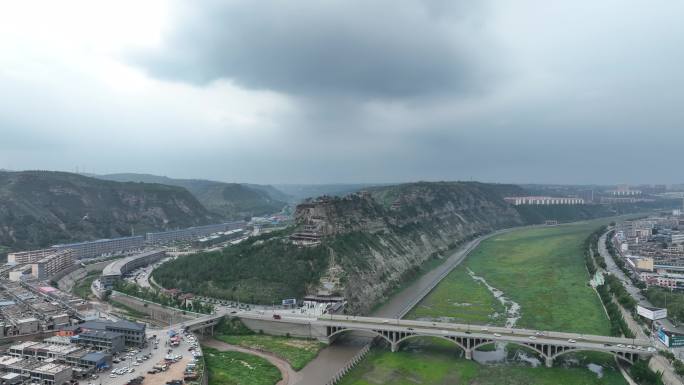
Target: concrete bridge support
column 548, row 362
column 469, row 354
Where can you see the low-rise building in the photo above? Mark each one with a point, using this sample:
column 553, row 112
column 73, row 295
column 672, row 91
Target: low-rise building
column 101, row 340
column 133, row 332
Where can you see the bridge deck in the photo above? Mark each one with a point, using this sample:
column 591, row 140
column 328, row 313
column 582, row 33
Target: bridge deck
column 441, row 329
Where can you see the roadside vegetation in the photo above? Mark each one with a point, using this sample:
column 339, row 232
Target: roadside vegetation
column 297, row 351
column 156, row 296
column 82, row 288
column 129, row 312
column 236, row 368
column 612, row 287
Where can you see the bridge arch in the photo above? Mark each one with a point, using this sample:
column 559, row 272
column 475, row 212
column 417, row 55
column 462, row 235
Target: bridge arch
column 369, row 331
column 460, row 345
column 538, row 351
column 615, row 354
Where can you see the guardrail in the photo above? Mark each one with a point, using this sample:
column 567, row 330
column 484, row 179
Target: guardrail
column 350, row 364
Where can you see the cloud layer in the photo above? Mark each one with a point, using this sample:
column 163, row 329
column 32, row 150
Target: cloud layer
column 347, row 91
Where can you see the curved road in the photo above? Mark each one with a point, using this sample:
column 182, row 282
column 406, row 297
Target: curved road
column 290, row 376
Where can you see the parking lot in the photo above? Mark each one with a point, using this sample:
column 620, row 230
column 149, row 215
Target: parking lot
column 174, row 371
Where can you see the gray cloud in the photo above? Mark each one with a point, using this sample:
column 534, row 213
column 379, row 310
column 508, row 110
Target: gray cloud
column 352, row 91
column 379, row 49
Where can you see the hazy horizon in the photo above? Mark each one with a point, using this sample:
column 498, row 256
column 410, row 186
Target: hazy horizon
column 346, row 91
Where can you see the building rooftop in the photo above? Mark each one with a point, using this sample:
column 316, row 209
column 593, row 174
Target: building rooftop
column 94, row 356
column 100, row 333
column 102, row 325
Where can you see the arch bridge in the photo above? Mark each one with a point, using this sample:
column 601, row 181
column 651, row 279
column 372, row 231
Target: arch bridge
column 548, row 345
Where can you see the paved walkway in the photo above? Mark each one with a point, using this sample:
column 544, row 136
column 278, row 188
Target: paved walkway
column 290, row 376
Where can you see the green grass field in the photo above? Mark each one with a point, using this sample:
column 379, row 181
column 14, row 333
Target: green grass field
column 442, row 368
column 235, row 368
column 542, row 269
column 297, row 351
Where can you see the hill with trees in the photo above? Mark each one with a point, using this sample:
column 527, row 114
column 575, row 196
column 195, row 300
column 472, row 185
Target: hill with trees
column 41, row 208
column 229, row 200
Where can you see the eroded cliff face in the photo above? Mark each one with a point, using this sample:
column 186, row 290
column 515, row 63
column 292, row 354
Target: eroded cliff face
column 382, row 236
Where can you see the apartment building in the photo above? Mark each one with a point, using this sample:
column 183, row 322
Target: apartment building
column 103, row 247
column 542, row 200
column 51, row 264
column 191, row 233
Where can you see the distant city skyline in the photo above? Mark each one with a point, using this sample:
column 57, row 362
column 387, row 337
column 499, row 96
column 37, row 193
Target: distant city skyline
column 574, row 92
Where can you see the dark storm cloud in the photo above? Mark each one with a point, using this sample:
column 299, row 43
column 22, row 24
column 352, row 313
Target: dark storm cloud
column 379, row 49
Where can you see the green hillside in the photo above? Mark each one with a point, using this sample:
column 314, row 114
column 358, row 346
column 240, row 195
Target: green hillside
column 230, row 200
column 41, row 208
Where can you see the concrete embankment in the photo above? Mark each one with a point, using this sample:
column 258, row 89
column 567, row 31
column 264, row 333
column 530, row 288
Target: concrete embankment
column 70, row 279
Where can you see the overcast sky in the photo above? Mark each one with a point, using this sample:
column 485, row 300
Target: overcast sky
column 345, row 90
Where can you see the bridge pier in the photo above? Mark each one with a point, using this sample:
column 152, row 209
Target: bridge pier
column 395, row 347
column 548, row 362
column 468, row 354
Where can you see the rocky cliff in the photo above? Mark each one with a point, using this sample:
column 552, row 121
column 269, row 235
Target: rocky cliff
column 378, row 238
column 362, row 245
column 39, row 208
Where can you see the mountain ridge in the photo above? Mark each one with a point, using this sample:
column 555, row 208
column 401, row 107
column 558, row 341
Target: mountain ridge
column 40, row 208
column 230, row 200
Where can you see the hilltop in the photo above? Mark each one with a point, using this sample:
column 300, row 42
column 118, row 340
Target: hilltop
column 230, row 200
column 40, row 208
column 368, row 242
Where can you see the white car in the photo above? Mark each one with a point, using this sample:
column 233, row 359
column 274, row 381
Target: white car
column 620, row 345
column 571, row 341
column 112, row 375
column 532, row 337
column 497, row 335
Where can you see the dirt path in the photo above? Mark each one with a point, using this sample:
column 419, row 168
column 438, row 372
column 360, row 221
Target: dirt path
column 290, row 376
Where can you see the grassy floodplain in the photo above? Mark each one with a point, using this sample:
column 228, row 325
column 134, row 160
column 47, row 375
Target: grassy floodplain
column 297, row 351
column 440, row 367
column 542, row 269
column 539, row 268
column 235, row 368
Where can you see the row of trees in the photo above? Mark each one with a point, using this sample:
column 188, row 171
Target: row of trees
column 618, row 326
column 592, row 258
column 154, row 295
column 621, row 294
